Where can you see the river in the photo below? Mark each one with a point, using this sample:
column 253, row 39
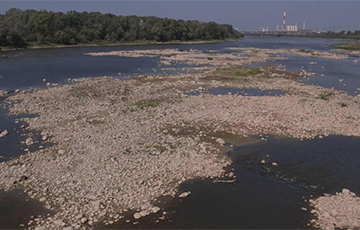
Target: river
column 264, row 196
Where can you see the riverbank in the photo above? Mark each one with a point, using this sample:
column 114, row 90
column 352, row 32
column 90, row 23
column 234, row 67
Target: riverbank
column 350, row 48
column 121, row 144
column 134, row 43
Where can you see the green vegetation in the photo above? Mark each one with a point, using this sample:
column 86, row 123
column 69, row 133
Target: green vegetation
column 343, row 104
column 238, row 71
column 127, row 151
column 307, row 51
column 144, row 104
column 20, row 28
column 160, row 148
column 349, row 46
column 325, row 96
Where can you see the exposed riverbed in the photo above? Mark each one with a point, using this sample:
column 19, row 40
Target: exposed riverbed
column 135, row 125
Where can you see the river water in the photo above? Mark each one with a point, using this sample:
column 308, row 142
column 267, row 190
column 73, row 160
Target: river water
column 264, row 196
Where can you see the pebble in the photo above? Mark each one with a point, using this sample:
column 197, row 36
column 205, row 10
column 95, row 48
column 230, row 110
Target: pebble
column 144, row 213
column 29, row 141
column 137, row 215
column 68, row 228
column 220, row 141
column 61, row 151
column 262, row 162
column 4, row 133
column 83, row 220
column 40, row 228
column 155, row 209
column 184, row 194
column 42, row 199
column 274, row 164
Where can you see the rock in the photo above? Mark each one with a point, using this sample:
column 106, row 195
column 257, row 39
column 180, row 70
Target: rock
column 59, row 223
column 144, row 213
column 29, row 141
column 45, row 137
column 95, row 205
column 155, row 209
column 333, row 212
column 42, row 199
column 262, row 162
column 83, row 220
column 40, row 228
column 48, row 84
column 137, row 215
column 345, row 191
column 102, row 214
column 220, row 141
column 4, row 133
column 274, row 164
column 184, row 194
column 145, row 206
column 17, row 90
column 79, row 216
column 68, row 228
column 61, row 151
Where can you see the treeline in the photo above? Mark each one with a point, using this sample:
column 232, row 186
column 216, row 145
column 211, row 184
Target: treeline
column 19, row 28
column 341, row 35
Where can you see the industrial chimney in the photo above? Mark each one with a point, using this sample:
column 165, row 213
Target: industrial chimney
column 284, row 21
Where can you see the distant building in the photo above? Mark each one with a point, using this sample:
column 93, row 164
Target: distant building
column 292, row 27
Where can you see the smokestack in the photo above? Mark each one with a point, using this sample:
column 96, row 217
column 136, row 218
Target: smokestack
column 284, row 20
column 304, row 26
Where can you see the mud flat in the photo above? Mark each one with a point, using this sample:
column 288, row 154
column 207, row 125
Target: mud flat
column 120, row 143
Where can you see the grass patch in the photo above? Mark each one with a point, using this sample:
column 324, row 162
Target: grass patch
column 238, row 71
column 144, row 104
column 306, row 51
column 160, row 148
column 325, row 96
column 342, row 104
column 349, row 46
column 127, row 151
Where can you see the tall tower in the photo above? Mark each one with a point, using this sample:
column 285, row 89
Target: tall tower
column 284, row 20
column 304, row 26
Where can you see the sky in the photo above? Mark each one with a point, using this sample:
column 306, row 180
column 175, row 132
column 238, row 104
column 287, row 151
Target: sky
column 244, row 15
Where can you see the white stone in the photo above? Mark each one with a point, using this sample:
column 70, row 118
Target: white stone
column 184, row 194
column 137, row 215
column 83, row 220
column 155, row 209
column 345, row 191
column 29, row 141
column 220, row 141
column 61, row 151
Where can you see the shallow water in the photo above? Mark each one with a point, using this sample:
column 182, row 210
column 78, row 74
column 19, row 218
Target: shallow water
column 17, row 208
column 27, row 68
column 265, row 196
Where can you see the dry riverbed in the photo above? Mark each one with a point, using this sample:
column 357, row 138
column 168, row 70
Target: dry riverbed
column 121, row 144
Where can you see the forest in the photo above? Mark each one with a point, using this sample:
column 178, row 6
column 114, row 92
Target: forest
column 21, row 28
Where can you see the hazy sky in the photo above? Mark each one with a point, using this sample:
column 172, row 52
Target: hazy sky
column 245, row 15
